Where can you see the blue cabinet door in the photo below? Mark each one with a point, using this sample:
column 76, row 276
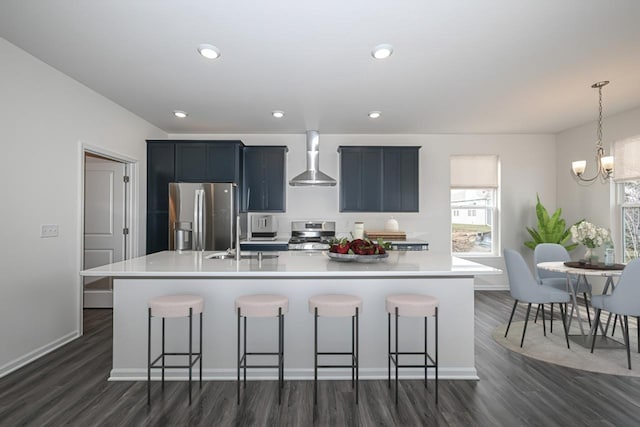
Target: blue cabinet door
column 208, row 161
column 400, row 186
column 264, row 184
column 360, row 179
column 160, row 172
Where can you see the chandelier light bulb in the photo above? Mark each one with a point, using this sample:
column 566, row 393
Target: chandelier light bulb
column 579, row 167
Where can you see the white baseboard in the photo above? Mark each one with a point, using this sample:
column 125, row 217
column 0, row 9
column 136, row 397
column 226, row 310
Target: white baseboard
column 490, row 287
column 290, row 374
column 98, row 299
column 36, row 354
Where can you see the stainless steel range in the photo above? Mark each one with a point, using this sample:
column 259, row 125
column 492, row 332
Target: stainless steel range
column 311, row 235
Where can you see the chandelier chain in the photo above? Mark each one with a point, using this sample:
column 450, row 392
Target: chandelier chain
column 599, row 143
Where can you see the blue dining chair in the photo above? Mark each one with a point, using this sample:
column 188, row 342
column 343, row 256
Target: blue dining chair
column 549, row 252
column 525, row 288
column 623, row 301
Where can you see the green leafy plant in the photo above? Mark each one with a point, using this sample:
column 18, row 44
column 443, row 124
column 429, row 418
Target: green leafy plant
column 551, row 229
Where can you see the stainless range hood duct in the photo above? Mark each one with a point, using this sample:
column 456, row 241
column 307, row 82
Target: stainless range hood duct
column 312, row 176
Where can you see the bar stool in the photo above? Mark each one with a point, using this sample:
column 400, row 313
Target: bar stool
column 412, row 305
column 336, row 305
column 261, row 306
column 173, row 306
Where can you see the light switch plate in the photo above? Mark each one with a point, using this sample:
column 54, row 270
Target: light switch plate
column 49, row 230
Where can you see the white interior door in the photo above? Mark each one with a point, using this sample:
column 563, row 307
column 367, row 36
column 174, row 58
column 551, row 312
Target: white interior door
column 104, row 225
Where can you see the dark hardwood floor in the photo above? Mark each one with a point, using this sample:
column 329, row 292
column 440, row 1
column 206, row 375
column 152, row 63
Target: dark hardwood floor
column 69, row 387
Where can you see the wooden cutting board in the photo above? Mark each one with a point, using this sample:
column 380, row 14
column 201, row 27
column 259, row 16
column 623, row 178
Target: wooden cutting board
column 386, row 235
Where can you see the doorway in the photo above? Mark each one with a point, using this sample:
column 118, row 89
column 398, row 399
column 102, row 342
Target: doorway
column 106, row 221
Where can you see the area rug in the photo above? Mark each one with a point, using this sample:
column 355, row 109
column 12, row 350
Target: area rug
column 553, row 349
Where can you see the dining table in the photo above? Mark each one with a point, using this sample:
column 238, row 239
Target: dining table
column 581, row 270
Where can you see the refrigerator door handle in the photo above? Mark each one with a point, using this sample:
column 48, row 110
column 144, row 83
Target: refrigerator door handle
column 203, row 222
column 197, row 220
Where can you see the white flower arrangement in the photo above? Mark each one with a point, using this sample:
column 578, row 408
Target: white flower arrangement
column 589, row 235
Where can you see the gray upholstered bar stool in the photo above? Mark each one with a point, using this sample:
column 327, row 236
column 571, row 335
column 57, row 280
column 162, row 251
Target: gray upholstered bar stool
column 261, row 305
column 336, row 305
column 412, row 305
column 174, row 306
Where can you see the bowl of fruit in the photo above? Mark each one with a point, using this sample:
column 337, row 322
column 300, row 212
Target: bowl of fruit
column 358, row 250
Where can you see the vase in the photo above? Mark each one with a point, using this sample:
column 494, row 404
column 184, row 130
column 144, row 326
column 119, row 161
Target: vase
column 587, row 255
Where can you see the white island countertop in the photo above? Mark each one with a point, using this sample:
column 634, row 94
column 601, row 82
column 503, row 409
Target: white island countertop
column 291, row 264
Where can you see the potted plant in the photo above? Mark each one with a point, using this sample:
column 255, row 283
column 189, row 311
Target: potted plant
column 551, row 229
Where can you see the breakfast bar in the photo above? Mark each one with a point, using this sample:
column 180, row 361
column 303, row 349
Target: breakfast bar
column 297, row 275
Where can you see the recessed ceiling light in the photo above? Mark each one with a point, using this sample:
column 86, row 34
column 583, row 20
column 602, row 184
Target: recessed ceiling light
column 382, row 51
column 277, row 114
column 374, row 114
column 209, row 51
column 180, row 114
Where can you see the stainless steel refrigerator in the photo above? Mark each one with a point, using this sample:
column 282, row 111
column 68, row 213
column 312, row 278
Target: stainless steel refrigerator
column 203, row 216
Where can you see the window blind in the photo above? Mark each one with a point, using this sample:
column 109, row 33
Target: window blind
column 626, row 155
column 478, row 171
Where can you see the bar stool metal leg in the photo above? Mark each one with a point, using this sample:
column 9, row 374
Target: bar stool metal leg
column 437, row 364
column 389, row 352
column 244, row 335
column 149, row 359
column 239, row 359
column 279, row 355
column 357, row 355
column 201, row 350
column 315, row 357
column 426, row 357
column 353, row 346
column 163, row 350
column 190, row 350
column 396, row 353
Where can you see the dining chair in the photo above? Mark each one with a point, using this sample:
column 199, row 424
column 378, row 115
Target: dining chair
column 524, row 288
column 623, row 301
column 549, row 252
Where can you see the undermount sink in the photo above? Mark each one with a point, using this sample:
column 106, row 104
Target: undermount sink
column 258, row 255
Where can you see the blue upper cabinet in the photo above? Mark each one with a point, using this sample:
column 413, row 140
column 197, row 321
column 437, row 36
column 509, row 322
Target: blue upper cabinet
column 264, row 183
column 209, row 161
column 379, row 179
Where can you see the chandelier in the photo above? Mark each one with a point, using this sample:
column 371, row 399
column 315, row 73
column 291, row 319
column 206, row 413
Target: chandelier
column 604, row 163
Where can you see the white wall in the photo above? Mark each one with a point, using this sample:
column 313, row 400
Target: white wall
column 593, row 202
column 527, row 163
column 44, row 117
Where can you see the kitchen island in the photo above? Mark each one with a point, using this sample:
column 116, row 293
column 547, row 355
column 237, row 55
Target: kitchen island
column 298, row 275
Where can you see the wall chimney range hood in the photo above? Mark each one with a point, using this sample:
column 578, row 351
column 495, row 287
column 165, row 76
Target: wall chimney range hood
column 312, row 176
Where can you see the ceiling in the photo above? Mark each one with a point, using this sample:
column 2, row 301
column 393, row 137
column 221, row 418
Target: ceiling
column 464, row 66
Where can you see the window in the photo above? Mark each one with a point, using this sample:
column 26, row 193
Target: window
column 474, row 206
column 629, row 205
column 627, row 176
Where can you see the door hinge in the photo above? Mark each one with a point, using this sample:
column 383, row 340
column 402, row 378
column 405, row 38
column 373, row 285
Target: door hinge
column 125, row 231
column 125, row 179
